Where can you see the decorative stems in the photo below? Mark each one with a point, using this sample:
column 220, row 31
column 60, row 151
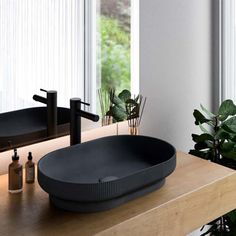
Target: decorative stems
column 105, row 104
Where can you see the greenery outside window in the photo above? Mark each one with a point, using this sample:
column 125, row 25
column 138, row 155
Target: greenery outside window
column 117, row 45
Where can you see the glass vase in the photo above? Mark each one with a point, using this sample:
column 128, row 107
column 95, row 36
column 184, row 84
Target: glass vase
column 106, row 120
column 134, row 130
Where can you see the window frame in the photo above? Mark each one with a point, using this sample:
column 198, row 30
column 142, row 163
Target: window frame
column 90, row 54
column 227, row 56
column 135, row 40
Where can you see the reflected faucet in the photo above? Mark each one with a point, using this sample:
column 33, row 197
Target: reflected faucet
column 51, row 102
column 75, row 119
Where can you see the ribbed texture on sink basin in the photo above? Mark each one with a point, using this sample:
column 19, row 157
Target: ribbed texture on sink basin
column 136, row 161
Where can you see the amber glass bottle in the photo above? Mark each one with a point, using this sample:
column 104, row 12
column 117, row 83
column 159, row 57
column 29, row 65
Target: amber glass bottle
column 29, row 170
column 15, row 177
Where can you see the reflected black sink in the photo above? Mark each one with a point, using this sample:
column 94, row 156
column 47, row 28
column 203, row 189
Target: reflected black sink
column 106, row 172
column 29, row 126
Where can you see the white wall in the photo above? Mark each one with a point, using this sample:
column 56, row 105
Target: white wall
column 175, row 69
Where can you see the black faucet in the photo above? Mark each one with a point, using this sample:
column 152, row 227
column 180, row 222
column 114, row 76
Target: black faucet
column 75, row 119
column 51, row 102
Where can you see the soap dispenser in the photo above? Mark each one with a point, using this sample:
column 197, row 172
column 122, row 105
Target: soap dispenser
column 15, row 175
column 29, row 170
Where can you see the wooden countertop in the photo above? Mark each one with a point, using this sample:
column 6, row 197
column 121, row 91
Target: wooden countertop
column 196, row 193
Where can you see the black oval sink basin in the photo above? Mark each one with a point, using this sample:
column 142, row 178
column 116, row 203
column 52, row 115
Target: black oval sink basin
column 27, row 126
column 106, row 172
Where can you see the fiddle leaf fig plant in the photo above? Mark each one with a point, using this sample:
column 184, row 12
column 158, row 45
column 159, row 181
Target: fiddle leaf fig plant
column 117, row 109
column 218, row 140
column 217, row 143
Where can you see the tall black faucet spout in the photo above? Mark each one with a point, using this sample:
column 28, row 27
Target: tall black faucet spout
column 38, row 98
column 88, row 115
column 51, row 102
column 75, row 119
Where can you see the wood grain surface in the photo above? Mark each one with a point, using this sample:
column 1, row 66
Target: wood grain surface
column 196, row 193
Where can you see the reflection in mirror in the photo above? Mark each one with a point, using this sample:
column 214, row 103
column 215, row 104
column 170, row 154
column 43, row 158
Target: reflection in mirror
column 41, row 46
column 74, row 47
column 27, row 126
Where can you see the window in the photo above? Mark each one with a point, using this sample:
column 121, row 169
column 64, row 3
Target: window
column 72, row 46
column 118, row 44
column 114, row 33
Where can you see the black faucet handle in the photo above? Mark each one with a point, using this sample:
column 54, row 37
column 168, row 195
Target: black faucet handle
column 78, row 100
column 85, row 103
column 49, row 91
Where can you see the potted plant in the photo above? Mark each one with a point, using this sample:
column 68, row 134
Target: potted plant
column 122, row 107
column 217, row 143
column 113, row 107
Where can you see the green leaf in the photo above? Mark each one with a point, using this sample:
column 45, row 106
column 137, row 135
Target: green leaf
column 131, row 102
column 233, row 139
column 203, row 129
column 211, row 115
column 199, row 117
column 227, row 129
column 116, row 100
column 202, row 137
column 222, row 134
column 230, row 125
column 195, row 137
column 227, row 146
column 202, row 154
column 232, row 215
column 132, row 108
column 231, row 155
column 124, row 95
column 227, row 108
column 228, row 162
column 121, row 106
column 201, row 145
column 118, row 114
column 222, row 117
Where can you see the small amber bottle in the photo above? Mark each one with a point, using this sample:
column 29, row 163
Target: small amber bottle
column 15, row 177
column 29, row 170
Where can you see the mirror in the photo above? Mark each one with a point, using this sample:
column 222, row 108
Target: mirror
column 43, row 44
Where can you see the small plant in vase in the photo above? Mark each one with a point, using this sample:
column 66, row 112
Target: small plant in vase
column 124, row 107
column 121, row 107
column 113, row 107
column 217, row 143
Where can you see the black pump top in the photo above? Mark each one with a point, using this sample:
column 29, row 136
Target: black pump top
column 15, row 157
column 30, row 156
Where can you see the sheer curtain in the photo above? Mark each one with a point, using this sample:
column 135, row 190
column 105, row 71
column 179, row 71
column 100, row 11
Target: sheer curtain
column 41, row 46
